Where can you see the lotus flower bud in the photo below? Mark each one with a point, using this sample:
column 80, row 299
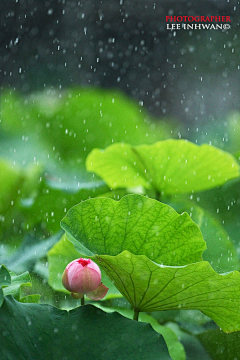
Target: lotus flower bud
column 83, row 276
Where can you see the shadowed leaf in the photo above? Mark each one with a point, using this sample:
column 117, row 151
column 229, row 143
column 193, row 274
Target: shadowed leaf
column 32, row 331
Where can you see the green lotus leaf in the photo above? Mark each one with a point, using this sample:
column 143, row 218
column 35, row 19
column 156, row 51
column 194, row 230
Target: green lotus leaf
column 136, row 223
column 168, row 167
column 33, row 331
column 175, row 347
column 152, row 287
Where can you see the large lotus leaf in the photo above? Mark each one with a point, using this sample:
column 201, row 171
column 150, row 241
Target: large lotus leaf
column 135, row 223
column 61, row 254
column 152, row 287
column 169, row 167
column 32, row 331
column 175, row 348
column 220, row 252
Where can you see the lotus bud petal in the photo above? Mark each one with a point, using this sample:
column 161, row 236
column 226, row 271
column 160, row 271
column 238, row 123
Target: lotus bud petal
column 99, row 293
column 81, row 276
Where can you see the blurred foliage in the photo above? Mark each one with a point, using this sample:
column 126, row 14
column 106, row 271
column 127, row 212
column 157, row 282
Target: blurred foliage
column 72, row 123
column 12, row 284
column 51, row 133
column 223, row 205
column 221, row 252
column 219, row 345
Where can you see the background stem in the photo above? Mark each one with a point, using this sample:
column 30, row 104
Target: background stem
column 82, row 300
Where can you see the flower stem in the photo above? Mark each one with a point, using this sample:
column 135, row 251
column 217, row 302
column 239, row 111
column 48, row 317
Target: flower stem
column 135, row 315
column 82, row 300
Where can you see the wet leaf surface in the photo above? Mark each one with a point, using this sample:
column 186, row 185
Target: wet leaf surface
column 137, row 224
column 169, row 167
column 32, row 331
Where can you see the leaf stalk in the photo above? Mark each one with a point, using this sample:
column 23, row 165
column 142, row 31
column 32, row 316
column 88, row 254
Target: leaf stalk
column 135, row 315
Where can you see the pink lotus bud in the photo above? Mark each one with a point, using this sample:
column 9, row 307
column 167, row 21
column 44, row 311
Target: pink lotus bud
column 83, row 276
